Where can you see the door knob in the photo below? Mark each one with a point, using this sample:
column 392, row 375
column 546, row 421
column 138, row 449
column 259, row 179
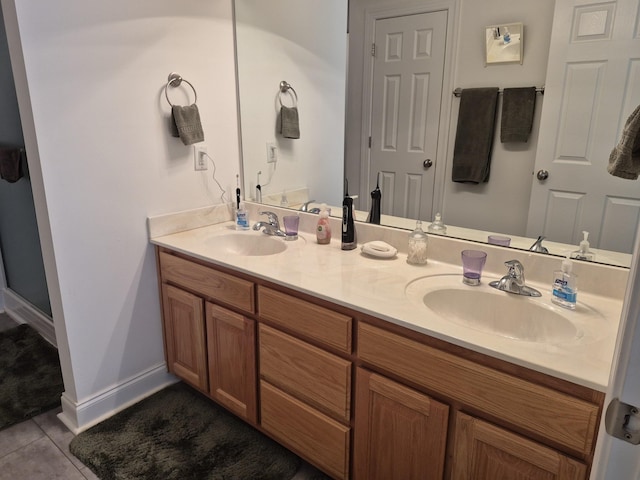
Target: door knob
column 427, row 163
column 542, row 175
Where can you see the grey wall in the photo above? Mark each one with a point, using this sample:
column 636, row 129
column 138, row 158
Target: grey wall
column 19, row 241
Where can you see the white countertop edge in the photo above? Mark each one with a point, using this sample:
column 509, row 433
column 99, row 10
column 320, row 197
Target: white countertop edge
column 586, row 365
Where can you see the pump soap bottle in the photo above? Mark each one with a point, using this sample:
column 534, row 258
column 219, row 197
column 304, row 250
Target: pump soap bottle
column 565, row 286
column 348, row 223
column 323, row 229
column 583, row 253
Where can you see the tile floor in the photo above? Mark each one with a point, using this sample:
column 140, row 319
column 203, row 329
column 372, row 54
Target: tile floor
column 38, row 449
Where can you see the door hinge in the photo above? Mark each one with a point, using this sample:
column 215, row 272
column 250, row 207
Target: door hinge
column 623, row 421
column 373, row 49
column 369, row 142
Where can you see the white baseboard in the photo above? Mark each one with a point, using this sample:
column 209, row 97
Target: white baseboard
column 23, row 312
column 80, row 416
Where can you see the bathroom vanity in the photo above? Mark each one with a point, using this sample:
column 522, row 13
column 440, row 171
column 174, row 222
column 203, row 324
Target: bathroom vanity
column 322, row 350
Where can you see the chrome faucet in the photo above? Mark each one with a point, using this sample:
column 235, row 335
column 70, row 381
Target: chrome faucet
column 513, row 281
column 537, row 246
column 305, row 207
column 271, row 226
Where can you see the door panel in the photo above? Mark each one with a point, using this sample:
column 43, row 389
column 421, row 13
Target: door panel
column 592, row 86
column 406, row 100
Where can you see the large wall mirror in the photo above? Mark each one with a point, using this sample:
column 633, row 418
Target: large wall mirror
column 350, row 98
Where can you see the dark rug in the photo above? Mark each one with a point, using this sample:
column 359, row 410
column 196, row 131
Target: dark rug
column 30, row 376
column 179, row 434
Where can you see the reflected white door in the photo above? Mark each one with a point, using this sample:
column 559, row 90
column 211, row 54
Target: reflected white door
column 406, row 100
column 592, row 85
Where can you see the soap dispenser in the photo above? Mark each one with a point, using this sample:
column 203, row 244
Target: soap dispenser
column 565, row 286
column 583, row 253
column 323, row 228
column 348, row 223
column 417, row 250
column 437, row 226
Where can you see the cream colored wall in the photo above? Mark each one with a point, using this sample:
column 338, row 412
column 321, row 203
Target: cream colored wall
column 90, row 78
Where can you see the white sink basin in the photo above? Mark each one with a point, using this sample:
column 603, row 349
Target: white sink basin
column 499, row 313
column 247, row 243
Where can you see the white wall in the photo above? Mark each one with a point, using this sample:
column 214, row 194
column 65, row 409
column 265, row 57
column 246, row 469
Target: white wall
column 309, row 53
column 102, row 161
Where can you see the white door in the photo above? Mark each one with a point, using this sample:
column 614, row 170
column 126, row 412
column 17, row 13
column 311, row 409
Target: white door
column 406, row 99
column 592, row 85
column 616, row 459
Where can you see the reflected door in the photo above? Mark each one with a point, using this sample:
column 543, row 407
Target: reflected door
column 592, row 86
column 406, row 97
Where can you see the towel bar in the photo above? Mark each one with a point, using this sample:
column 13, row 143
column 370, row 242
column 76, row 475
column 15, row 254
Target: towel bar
column 458, row 91
column 285, row 87
column 175, row 80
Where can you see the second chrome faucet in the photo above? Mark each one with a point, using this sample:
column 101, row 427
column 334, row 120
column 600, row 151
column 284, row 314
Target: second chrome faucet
column 513, row 281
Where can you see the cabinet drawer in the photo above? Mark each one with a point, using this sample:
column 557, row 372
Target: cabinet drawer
column 560, row 418
column 307, row 319
column 306, row 372
column 208, row 282
column 318, row 438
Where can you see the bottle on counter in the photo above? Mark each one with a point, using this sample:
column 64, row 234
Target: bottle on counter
column 417, row 250
column 323, row 229
column 565, row 286
column 242, row 218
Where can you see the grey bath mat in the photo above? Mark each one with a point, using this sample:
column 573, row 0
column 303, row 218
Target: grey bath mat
column 30, row 376
column 179, row 434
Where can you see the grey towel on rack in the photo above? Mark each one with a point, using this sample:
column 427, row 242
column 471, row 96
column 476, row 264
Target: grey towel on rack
column 288, row 123
column 624, row 161
column 10, row 164
column 474, row 135
column 188, row 123
column 518, row 105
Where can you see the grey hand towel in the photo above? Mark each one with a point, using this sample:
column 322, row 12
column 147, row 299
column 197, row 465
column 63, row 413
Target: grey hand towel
column 474, row 135
column 188, row 123
column 10, row 164
column 289, row 124
column 518, row 105
column 624, row 161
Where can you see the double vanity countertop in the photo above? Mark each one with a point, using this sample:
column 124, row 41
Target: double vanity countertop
column 392, row 290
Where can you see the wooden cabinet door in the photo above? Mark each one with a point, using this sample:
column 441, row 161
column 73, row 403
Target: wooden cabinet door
column 484, row 451
column 183, row 315
column 399, row 433
column 232, row 365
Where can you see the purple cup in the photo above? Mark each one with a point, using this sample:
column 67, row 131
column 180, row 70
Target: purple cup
column 499, row 240
column 291, row 223
column 472, row 264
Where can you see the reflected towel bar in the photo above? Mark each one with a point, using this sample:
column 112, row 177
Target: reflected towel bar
column 458, row 91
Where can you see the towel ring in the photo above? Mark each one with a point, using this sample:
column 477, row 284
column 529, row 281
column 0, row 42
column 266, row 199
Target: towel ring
column 175, row 80
column 285, row 87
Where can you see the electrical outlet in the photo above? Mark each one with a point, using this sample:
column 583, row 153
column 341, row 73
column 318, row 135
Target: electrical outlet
column 200, row 157
column 272, row 152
